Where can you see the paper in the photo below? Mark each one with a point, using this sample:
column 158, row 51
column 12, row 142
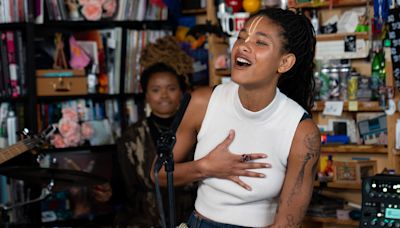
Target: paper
column 353, row 106
column 333, row 108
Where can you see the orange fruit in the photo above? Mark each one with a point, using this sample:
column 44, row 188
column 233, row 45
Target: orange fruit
column 251, row 6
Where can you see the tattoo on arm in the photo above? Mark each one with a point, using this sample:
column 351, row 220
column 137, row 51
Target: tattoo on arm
column 294, row 221
column 312, row 142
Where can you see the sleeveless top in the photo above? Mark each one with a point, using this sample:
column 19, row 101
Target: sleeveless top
column 271, row 131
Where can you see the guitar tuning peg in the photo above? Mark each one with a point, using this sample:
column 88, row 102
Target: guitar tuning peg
column 25, row 132
column 40, row 157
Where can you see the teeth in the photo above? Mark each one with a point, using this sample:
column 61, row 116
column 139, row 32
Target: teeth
column 242, row 60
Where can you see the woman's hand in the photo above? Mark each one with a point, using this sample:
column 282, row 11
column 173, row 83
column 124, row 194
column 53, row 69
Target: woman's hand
column 102, row 193
column 221, row 163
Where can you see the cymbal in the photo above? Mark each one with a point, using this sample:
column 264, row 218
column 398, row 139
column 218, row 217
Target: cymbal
column 61, row 177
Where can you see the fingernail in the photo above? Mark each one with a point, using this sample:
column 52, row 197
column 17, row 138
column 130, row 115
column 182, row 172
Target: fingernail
column 248, row 188
column 261, row 175
column 267, row 166
column 264, row 156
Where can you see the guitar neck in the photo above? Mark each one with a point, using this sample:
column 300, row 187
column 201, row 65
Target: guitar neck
column 16, row 149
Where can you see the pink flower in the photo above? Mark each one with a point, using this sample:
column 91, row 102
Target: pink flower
column 86, row 130
column 58, row 141
column 109, row 8
column 92, row 11
column 73, row 139
column 70, row 113
column 67, row 127
column 84, row 2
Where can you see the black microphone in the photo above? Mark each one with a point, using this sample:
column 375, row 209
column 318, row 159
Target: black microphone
column 166, row 141
column 165, row 144
column 181, row 111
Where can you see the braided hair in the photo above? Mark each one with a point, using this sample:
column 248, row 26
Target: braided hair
column 298, row 38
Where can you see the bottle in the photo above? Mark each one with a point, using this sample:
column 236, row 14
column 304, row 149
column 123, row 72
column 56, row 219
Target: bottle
column 11, row 128
column 315, row 22
column 3, row 135
column 92, row 80
column 398, row 134
column 375, row 75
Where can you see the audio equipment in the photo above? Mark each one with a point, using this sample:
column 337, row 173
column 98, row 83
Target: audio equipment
column 381, row 201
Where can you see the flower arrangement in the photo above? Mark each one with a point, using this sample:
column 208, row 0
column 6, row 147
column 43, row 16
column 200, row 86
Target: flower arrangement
column 91, row 10
column 70, row 132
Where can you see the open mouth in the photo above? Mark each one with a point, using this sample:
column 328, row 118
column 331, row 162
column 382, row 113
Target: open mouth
column 242, row 62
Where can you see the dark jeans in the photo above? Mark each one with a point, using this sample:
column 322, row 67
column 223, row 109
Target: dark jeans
column 196, row 222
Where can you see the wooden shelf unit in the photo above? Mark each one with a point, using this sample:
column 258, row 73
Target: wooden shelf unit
column 341, row 36
column 356, row 149
column 362, row 106
column 326, row 4
column 331, row 221
column 335, row 185
column 194, row 11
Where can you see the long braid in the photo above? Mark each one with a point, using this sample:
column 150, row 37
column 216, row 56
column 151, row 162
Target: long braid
column 299, row 38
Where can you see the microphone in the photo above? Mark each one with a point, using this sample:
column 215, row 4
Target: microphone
column 181, row 111
column 166, row 141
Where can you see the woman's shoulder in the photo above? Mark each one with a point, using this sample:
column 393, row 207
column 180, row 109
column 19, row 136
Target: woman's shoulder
column 197, row 108
column 201, row 95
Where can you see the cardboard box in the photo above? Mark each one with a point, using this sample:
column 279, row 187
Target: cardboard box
column 352, row 172
column 61, row 82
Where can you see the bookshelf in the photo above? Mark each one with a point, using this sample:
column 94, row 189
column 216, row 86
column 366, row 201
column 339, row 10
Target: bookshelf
column 31, row 103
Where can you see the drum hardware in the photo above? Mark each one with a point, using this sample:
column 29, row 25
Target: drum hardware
column 45, row 176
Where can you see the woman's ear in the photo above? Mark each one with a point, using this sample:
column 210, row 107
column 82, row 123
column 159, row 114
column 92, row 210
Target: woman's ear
column 287, row 62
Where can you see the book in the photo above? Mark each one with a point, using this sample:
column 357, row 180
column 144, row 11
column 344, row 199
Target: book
column 21, row 61
column 12, row 64
column 4, row 65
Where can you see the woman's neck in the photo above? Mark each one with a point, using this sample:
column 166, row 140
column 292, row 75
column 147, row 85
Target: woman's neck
column 256, row 99
column 162, row 121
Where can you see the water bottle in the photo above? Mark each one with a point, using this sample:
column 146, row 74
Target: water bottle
column 11, row 128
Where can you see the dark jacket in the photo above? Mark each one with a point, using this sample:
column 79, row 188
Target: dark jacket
column 135, row 190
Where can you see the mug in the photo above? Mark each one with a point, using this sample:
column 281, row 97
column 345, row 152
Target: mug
column 239, row 21
column 233, row 23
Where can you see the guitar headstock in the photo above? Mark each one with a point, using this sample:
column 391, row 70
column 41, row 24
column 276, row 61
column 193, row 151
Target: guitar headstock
column 28, row 143
column 38, row 140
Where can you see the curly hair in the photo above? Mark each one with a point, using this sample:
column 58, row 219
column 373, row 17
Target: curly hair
column 167, row 50
column 298, row 38
column 150, row 71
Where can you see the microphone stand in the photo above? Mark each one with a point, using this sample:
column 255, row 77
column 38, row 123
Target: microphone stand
column 4, row 208
column 165, row 144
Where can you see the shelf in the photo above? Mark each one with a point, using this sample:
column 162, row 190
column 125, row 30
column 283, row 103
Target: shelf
column 223, row 72
column 362, row 149
column 341, row 36
column 325, row 4
column 194, row 11
column 74, row 97
column 13, row 26
column 78, row 25
column 334, row 185
column 332, row 220
column 13, row 99
column 363, row 106
column 101, row 148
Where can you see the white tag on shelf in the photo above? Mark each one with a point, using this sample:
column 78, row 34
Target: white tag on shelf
column 334, row 49
column 333, row 108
